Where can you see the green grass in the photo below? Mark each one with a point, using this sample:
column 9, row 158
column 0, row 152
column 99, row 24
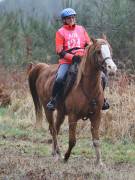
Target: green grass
column 115, row 153
column 119, row 152
column 122, row 151
column 14, row 134
column 2, row 111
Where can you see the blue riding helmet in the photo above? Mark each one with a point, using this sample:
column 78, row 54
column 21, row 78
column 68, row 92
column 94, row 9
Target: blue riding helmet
column 67, row 12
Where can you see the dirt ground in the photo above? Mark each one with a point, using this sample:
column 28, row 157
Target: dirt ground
column 15, row 164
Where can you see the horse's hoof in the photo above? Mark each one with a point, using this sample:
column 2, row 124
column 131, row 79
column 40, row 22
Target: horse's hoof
column 56, row 152
column 100, row 164
column 57, row 158
column 66, row 159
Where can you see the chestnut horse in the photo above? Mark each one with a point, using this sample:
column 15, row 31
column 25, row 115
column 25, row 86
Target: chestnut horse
column 85, row 99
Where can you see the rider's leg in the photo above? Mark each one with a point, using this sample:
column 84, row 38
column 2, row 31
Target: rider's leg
column 58, row 86
column 104, row 82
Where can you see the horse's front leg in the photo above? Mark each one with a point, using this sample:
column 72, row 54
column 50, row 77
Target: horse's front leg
column 95, row 123
column 59, row 120
column 72, row 135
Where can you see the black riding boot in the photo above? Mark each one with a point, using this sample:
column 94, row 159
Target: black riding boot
column 104, row 82
column 51, row 105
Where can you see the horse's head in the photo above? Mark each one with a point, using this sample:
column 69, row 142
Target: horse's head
column 103, row 55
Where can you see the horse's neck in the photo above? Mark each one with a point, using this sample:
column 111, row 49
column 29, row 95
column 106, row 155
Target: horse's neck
column 91, row 79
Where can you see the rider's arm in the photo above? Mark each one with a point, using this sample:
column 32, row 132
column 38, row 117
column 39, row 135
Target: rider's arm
column 59, row 41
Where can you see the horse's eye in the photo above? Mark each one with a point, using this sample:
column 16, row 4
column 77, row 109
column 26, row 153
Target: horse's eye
column 98, row 52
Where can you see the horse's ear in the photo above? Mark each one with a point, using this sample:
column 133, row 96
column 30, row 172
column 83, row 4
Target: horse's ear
column 30, row 67
column 104, row 37
column 93, row 40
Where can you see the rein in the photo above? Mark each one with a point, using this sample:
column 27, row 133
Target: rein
column 75, row 48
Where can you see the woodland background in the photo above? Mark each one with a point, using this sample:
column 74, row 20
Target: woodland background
column 27, row 28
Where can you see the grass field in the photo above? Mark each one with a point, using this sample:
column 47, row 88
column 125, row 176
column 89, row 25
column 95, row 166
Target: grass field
column 25, row 153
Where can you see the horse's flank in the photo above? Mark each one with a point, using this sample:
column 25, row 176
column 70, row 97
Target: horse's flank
column 31, row 66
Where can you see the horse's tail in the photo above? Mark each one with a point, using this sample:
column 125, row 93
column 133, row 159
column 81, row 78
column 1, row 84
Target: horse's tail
column 32, row 78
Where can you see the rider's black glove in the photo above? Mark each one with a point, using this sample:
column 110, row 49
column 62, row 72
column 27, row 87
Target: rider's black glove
column 76, row 59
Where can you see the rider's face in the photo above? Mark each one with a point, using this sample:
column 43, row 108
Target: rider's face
column 70, row 20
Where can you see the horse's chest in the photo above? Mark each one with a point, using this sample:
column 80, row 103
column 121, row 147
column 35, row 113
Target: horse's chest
column 77, row 102
column 80, row 104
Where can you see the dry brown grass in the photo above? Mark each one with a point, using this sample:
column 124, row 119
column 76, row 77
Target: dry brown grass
column 118, row 122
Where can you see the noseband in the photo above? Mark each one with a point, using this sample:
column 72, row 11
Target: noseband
column 100, row 65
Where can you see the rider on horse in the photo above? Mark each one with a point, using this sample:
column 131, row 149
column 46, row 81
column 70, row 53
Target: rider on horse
column 71, row 40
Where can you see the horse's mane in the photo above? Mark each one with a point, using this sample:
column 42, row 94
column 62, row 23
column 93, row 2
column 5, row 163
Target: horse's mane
column 82, row 65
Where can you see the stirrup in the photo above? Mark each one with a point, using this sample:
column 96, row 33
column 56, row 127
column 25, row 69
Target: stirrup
column 105, row 105
column 51, row 105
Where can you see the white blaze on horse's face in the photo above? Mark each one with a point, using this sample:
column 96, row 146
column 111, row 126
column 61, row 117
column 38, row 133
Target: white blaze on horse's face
column 111, row 66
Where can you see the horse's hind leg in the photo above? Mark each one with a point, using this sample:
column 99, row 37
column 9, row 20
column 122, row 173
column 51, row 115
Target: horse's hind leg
column 95, row 123
column 53, row 132
column 39, row 117
column 72, row 135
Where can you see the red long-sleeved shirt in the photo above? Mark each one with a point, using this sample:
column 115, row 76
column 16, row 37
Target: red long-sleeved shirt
column 68, row 37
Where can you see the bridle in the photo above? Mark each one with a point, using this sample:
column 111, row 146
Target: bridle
column 100, row 65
